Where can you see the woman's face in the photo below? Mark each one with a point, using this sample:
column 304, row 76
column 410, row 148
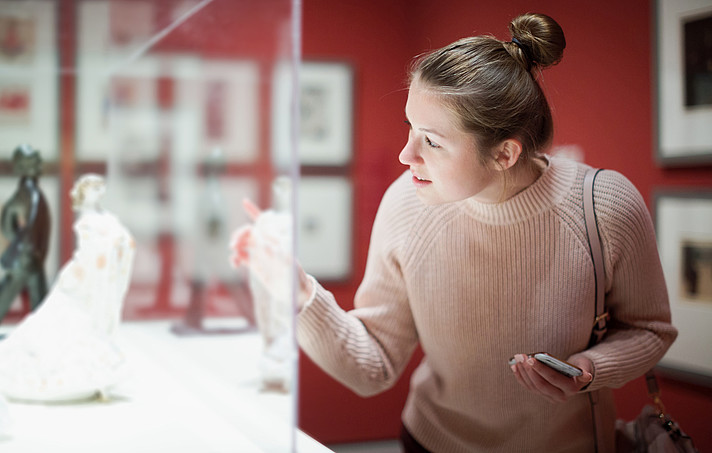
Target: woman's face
column 442, row 157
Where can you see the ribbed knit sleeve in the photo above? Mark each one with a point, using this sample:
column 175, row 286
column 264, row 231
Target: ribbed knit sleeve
column 367, row 348
column 640, row 331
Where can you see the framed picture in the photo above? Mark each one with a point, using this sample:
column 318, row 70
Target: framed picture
column 684, row 81
column 325, row 110
column 324, row 226
column 683, row 224
column 206, row 211
column 28, row 79
column 219, row 104
column 118, row 110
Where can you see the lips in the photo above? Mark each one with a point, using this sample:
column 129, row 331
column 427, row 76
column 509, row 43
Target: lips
column 420, row 182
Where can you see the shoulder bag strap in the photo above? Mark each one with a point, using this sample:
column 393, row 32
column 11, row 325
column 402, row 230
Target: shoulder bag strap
column 594, row 243
column 601, row 316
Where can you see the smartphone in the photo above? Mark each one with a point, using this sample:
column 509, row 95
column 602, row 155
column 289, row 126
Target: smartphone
column 559, row 365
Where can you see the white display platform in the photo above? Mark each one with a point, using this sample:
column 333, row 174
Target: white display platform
column 191, row 394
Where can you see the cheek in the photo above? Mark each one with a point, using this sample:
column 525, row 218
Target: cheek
column 468, row 179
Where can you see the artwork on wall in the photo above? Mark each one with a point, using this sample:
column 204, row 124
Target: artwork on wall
column 324, row 226
column 684, row 81
column 683, row 221
column 117, row 96
column 326, row 114
column 137, row 104
column 207, row 210
column 219, row 103
column 28, row 79
column 230, row 103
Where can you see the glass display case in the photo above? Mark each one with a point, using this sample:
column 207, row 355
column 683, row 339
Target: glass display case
column 185, row 108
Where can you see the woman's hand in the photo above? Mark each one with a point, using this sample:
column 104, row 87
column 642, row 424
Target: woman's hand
column 241, row 240
column 264, row 246
column 543, row 380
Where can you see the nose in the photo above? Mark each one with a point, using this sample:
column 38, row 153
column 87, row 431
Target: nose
column 409, row 154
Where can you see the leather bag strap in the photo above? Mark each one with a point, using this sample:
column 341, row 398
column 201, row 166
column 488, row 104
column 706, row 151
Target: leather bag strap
column 594, row 244
column 601, row 316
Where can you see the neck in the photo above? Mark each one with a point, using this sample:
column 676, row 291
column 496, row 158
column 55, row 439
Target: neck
column 522, row 177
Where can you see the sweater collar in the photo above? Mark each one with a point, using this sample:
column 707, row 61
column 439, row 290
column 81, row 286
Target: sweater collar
column 548, row 190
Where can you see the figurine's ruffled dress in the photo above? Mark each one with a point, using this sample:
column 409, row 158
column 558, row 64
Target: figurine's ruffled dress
column 65, row 349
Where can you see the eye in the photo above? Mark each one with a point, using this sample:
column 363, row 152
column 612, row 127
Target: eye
column 431, row 143
column 407, row 122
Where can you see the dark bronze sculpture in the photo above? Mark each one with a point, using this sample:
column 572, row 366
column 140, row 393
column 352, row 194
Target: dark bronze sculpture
column 25, row 224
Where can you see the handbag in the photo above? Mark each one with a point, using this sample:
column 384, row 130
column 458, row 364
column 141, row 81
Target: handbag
column 653, row 430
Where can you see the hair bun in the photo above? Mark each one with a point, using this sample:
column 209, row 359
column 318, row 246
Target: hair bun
column 540, row 38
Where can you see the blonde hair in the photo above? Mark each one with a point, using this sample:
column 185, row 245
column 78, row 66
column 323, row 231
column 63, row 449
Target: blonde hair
column 491, row 85
column 81, row 185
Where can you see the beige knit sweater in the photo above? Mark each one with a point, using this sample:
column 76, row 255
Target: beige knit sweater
column 474, row 284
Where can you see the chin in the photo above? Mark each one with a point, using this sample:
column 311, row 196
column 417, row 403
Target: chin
column 430, row 200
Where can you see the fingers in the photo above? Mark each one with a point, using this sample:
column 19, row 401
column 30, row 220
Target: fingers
column 239, row 246
column 543, row 380
column 550, row 382
column 586, row 366
column 521, row 374
column 583, row 380
column 242, row 238
column 251, row 209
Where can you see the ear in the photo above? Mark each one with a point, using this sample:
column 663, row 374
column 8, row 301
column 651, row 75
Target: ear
column 507, row 153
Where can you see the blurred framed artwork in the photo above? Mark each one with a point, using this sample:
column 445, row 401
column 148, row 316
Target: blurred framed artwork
column 218, row 110
column 324, row 226
column 684, row 232
column 28, row 76
column 684, row 81
column 325, row 111
column 117, row 94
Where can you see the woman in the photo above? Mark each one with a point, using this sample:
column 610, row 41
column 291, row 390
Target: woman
column 479, row 253
column 65, row 349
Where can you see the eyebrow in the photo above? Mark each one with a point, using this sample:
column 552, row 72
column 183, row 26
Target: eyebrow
column 430, row 131
column 424, row 129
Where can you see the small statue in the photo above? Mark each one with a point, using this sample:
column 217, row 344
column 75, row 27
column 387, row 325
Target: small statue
column 274, row 308
column 25, row 223
column 66, row 350
column 209, row 245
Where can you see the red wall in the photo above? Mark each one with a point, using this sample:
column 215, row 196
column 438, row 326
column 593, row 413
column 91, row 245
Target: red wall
column 372, row 38
column 601, row 96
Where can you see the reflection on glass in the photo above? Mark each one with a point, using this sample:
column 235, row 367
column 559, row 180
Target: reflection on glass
column 269, row 245
column 171, row 101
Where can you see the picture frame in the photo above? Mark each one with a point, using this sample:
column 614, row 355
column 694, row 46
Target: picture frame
column 324, row 228
column 218, row 109
column 683, row 220
column 684, row 82
column 28, row 79
column 117, row 93
column 325, row 111
column 206, row 212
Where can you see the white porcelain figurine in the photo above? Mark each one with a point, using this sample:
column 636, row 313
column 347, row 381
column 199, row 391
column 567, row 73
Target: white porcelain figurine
column 66, row 349
column 270, row 239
